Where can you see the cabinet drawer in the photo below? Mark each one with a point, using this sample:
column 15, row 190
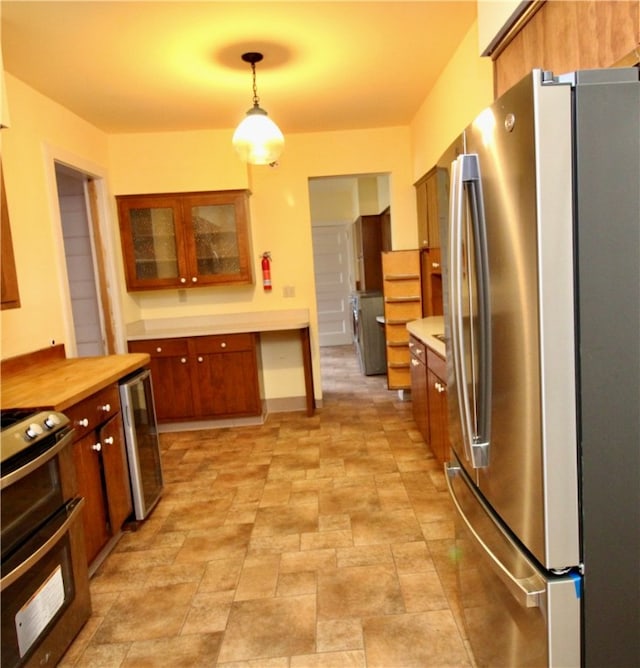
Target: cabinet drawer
column 89, row 413
column 223, row 343
column 418, row 349
column 437, row 364
column 160, row 347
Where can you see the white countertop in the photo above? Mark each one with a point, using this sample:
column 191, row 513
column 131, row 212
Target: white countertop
column 424, row 330
column 227, row 323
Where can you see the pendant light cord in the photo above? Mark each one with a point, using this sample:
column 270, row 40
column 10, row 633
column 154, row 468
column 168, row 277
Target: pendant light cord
column 256, row 100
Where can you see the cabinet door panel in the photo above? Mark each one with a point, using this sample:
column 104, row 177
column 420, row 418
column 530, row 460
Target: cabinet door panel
column 172, row 391
column 217, row 238
column 419, row 396
column 90, row 486
column 228, row 384
column 439, row 439
column 116, row 472
column 151, row 243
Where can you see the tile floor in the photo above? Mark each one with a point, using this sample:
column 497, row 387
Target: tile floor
column 301, row 543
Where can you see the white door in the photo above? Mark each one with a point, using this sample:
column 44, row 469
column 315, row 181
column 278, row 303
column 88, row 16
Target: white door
column 332, row 267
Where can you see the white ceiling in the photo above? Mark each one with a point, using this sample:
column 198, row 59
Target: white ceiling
column 160, row 66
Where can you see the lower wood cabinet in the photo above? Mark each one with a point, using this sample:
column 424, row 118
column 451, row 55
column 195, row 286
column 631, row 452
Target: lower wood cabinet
column 419, row 399
column 438, row 412
column 203, row 377
column 429, row 397
column 101, row 467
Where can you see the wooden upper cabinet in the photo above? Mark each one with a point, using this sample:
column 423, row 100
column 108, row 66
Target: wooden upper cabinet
column 561, row 37
column 182, row 240
column 431, row 204
column 10, row 294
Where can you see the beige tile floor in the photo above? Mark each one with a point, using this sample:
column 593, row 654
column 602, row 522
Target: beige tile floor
column 303, row 542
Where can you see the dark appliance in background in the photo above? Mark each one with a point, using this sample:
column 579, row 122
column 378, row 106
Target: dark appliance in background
column 368, row 332
column 143, row 445
column 543, row 343
column 44, row 575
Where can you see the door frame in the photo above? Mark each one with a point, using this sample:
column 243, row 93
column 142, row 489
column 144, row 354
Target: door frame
column 101, row 232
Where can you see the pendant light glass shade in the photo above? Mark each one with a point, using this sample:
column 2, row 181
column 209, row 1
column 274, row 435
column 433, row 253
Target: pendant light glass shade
column 257, row 139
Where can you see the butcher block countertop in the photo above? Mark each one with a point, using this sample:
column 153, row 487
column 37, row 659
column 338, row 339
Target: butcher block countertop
column 425, row 329
column 60, row 383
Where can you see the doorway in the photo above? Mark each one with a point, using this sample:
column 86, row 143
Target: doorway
column 92, row 327
column 336, row 202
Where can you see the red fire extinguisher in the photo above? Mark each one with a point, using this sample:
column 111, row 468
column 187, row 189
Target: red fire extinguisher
column 266, row 271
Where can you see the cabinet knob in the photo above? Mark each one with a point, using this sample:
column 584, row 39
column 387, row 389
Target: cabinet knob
column 83, row 423
column 194, row 279
column 97, row 447
column 223, row 344
column 108, row 440
column 414, row 362
column 106, row 408
column 159, row 349
column 183, row 279
column 183, row 360
column 200, row 359
column 435, row 265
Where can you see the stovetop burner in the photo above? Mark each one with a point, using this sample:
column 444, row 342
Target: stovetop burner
column 14, row 415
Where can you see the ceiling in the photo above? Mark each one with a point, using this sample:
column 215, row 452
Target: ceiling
column 163, row 66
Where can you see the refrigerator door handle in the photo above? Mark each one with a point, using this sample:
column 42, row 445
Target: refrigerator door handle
column 529, row 592
column 475, row 410
column 456, row 304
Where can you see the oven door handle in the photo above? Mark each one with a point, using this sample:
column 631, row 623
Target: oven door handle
column 23, row 471
column 46, row 547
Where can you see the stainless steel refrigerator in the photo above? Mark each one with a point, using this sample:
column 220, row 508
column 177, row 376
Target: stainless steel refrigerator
column 543, row 343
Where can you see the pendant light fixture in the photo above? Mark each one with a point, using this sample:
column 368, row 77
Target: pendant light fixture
column 257, row 139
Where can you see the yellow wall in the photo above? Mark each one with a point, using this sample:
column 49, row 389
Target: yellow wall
column 203, row 160
column 39, row 131
column 463, row 90
column 280, row 219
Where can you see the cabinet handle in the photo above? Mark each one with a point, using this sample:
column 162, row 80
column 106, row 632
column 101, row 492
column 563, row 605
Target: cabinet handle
column 83, row 423
column 435, row 265
column 183, row 280
column 183, row 360
column 158, row 349
column 223, row 344
column 200, row 359
column 97, row 447
column 108, row 440
column 106, row 408
column 194, row 279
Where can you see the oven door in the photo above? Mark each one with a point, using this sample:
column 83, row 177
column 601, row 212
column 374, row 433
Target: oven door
column 35, row 485
column 45, row 591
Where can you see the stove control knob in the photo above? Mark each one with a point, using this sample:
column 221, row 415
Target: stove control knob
column 33, row 430
column 51, row 421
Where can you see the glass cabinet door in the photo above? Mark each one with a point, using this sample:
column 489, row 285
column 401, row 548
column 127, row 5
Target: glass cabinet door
column 216, row 239
column 154, row 242
column 216, row 234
